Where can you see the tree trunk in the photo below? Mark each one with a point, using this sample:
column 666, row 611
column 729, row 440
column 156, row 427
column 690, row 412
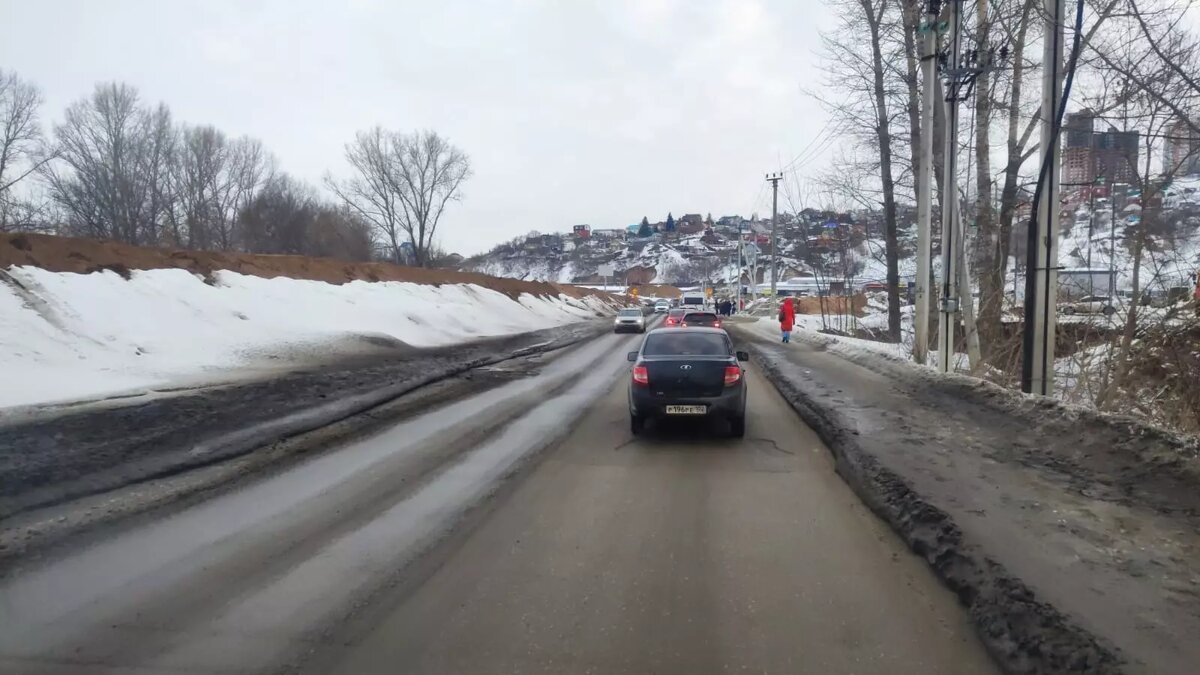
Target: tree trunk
column 991, row 258
column 909, row 11
column 892, row 248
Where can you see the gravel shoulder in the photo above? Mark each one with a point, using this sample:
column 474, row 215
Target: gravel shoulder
column 1073, row 538
column 60, row 455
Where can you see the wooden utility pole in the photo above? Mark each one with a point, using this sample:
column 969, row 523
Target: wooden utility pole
column 928, row 30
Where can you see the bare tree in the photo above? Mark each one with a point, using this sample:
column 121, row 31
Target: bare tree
column 22, row 150
column 339, row 232
column 870, row 100
column 402, row 184
column 214, row 178
column 111, row 175
column 1154, row 90
column 279, row 218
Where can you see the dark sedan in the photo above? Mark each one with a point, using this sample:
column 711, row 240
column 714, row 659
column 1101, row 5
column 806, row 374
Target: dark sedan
column 687, row 372
column 700, row 319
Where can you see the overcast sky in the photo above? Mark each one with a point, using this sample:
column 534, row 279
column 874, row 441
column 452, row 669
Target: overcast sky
column 572, row 111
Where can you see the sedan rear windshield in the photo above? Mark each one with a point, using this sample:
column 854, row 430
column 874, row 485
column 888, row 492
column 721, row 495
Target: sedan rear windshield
column 676, row 313
column 686, row 344
column 700, row 316
column 631, row 312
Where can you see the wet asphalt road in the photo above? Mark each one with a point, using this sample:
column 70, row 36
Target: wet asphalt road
column 461, row 542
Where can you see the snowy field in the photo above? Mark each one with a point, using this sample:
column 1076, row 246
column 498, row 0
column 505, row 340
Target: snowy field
column 69, row 336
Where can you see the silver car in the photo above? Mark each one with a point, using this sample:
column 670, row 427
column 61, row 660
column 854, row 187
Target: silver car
column 630, row 319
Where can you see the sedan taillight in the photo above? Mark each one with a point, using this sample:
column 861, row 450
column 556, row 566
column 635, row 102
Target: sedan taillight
column 733, row 374
column 641, row 376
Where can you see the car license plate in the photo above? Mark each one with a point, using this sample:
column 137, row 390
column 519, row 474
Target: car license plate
column 686, row 409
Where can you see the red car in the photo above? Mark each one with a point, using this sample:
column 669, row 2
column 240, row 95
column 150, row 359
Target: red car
column 675, row 317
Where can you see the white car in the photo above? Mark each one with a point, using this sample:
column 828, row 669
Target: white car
column 1091, row 304
column 630, row 319
column 662, row 307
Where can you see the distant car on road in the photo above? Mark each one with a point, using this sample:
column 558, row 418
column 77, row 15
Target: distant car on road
column 662, row 306
column 1092, row 304
column 630, row 319
column 687, row 372
column 675, row 316
column 700, row 319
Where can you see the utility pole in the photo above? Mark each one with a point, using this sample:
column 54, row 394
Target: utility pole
column 741, row 255
column 928, row 30
column 965, row 301
column 960, row 69
column 1041, row 273
column 1112, row 242
column 774, row 179
column 948, row 307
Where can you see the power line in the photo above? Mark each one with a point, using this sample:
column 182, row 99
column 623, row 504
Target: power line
column 806, row 151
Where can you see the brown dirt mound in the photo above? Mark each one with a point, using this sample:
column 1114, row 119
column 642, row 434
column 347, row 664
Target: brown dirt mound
column 835, row 304
column 657, row 290
column 84, row 256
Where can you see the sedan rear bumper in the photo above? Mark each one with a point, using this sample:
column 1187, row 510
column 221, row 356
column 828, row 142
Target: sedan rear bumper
column 730, row 404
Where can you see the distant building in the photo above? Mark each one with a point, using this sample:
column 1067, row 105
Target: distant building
column 1089, row 154
column 582, row 231
column 1181, row 148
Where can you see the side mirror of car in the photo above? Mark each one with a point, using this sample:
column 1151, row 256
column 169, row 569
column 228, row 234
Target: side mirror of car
column 743, row 356
column 632, row 356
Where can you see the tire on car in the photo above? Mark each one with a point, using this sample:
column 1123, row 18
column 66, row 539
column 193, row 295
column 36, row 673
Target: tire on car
column 737, row 426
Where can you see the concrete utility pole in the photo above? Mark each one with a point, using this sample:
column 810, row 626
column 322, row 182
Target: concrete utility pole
column 774, row 179
column 965, row 301
column 1041, row 282
column 948, row 307
column 928, row 30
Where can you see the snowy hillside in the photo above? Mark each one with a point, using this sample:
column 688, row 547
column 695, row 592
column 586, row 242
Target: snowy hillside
column 67, row 336
column 846, row 246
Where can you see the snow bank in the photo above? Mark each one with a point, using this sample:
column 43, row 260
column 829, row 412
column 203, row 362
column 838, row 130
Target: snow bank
column 68, row 336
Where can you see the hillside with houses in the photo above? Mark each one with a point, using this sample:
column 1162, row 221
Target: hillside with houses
column 696, row 249
column 828, row 251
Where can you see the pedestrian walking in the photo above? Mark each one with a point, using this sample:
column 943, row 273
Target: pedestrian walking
column 787, row 319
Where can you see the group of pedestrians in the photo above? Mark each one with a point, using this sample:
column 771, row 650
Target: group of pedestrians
column 726, row 307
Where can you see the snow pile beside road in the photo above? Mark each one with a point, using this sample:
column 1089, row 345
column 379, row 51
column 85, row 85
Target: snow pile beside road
column 67, row 336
